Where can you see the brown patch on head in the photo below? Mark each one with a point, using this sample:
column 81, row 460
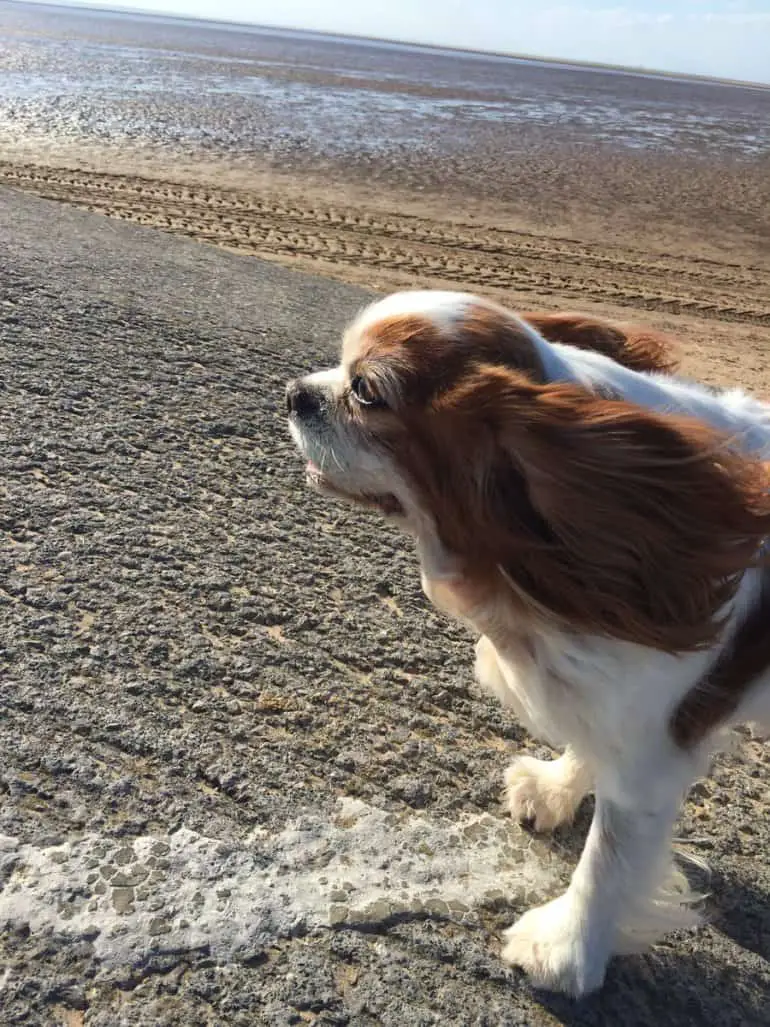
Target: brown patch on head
column 389, row 335
column 616, row 520
column 395, row 354
column 637, row 348
column 492, row 336
column 720, row 691
column 412, row 360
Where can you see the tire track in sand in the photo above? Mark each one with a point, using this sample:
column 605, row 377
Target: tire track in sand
column 412, row 249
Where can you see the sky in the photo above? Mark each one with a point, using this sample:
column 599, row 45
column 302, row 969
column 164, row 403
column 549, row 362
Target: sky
column 724, row 38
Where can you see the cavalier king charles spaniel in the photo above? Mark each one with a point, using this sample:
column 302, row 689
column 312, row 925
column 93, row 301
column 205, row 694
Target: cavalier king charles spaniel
column 600, row 524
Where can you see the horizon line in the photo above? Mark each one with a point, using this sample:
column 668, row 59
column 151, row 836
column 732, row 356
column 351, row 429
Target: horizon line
column 569, row 62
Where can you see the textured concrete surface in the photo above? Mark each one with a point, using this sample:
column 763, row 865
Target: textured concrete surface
column 244, row 778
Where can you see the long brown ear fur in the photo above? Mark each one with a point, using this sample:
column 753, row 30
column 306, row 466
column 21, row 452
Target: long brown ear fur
column 617, row 520
column 640, row 349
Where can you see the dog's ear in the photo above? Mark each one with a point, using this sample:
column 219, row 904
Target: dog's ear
column 638, row 348
column 616, row 519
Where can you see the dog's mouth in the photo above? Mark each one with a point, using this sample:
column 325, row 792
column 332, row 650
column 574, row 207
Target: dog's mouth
column 386, row 502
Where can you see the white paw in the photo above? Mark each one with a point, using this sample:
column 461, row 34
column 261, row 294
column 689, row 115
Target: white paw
column 540, row 792
column 551, row 944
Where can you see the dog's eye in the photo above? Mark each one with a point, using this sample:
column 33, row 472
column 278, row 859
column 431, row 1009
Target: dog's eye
column 362, row 390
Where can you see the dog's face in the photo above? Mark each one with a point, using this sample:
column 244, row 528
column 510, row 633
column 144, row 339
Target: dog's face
column 377, row 429
column 341, row 426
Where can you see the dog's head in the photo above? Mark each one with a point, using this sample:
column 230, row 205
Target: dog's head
column 602, row 513
column 375, row 429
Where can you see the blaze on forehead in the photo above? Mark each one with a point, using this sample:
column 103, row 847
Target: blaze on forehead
column 427, row 359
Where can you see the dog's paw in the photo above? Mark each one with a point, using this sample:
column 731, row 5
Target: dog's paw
column 543, row 793
column 550, row 943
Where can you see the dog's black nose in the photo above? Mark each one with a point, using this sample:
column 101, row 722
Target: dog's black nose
column 302, row 400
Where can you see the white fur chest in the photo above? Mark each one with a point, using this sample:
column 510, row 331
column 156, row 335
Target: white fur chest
column 600, row 696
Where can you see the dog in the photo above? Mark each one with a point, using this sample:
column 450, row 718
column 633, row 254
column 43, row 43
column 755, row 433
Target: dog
column 600, row 524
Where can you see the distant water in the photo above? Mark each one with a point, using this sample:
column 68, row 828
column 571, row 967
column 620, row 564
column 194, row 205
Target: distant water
column 82, row 75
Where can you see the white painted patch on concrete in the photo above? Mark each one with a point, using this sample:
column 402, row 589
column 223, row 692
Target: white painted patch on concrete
column 183, row 891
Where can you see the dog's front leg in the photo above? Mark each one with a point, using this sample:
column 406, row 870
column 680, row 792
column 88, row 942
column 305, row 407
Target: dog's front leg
column 617, row 900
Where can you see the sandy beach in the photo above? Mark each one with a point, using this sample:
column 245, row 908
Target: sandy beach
column 388, row 166
column 703, row 279
column 679, row 242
